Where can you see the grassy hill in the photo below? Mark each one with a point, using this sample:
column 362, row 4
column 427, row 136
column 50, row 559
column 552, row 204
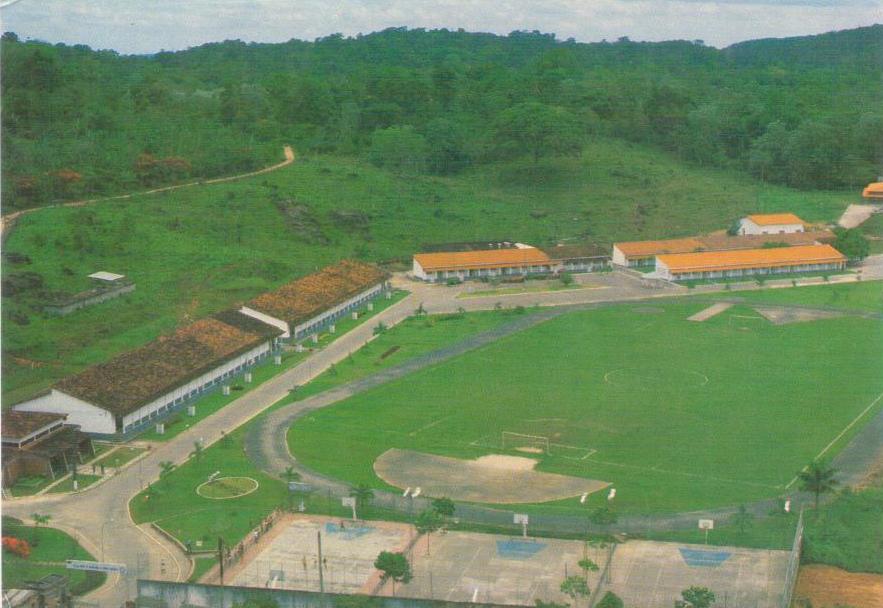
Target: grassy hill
column 198, row 250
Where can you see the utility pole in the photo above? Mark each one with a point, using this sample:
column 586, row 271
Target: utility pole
column 321, row 579
column 221, row 558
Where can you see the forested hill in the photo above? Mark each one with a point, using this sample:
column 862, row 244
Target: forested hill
column 804, row 112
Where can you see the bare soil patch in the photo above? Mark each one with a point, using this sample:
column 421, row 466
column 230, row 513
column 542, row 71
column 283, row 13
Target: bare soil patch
column 494, row 479
column 782, row 315
column 707, row 313
column 826, row 586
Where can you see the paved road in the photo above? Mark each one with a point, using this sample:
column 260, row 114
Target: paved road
column 99, row 516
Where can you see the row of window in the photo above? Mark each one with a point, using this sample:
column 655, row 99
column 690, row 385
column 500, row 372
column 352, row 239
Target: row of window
column 175, row 403
column 325, row 321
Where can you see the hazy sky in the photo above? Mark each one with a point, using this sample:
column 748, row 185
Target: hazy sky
column 145, row 26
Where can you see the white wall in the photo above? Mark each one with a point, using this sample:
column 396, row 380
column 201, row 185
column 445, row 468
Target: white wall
column 91, row 418
column 177, row 396
column 419, row 272
column 267, row 319
column 618, row 257
column 749, row 227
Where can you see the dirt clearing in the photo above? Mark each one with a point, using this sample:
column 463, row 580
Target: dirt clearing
column 707, row 313
column 826, row 586
column 782, row 315
column 496, row 478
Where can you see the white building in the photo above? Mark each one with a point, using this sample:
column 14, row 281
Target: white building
column 309, row 304
column 140, row 387
column 771, row 223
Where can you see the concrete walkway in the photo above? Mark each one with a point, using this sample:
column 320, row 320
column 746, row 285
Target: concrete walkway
column 856, row 215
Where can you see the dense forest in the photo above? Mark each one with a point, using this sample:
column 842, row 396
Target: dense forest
column 804, row 112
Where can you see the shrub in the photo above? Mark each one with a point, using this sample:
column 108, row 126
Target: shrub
column 17, row 546
column 453, row 281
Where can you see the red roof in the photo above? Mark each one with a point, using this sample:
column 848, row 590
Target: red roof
column 751, row 258
column 476, row 260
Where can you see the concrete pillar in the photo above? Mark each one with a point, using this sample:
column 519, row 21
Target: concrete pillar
column 225, row 390
column 332, row 329
column 277, row 359
column 315, row 338
column 248, row 377
column 298, row 348
column 370, row 305
column 191, row 410
column 160, row 428
column 355, row 316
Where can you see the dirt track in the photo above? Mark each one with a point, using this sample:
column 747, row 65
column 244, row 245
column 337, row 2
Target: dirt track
column 7, row 222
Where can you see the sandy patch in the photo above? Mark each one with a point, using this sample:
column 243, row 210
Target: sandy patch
column 508, row 463
column 826, row 586
column 490, row 479
column 707, row 313
column 530, row 450
column 782, row 315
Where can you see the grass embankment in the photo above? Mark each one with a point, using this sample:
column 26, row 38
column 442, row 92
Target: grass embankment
column 199, row 250
column 119, row 457
column 173, row 502
column 680, row 413
column 214, row 401
column 866, row 296
column 67, row 485
column 49, row 550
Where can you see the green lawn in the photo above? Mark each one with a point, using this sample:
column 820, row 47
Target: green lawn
column 83, row 482
column 49, row 549
column 872, row 228
column 201, row 566
column 29, row 485
column 119, row 457
column 668, row 438
column 867, row 295
column 199, row 250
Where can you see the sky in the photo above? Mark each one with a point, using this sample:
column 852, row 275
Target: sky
column 148, row 26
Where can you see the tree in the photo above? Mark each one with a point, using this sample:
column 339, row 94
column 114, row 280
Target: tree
column 610, row 600
column 196, row 454
column 166, row 467
column 427, row 522
column 742, row 519
column 394, row 567
column 399, row 149
column 818, row 478
column 851, row 243
column 363, row 495
column 587, row 565
column 444, row 506
column 603, row 516
column 39, row 520
column 695, row 597
column 575, row 587
column 566, row 279
column 537, row 129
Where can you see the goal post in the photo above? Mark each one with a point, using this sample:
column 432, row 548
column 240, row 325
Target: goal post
column 512, row 441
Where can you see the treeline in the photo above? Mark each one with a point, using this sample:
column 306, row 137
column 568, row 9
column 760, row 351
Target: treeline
column 804, row 112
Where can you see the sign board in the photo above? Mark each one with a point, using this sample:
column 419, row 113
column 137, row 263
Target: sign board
column 348, row 501
column 299, row 486
column 706, row 524
column 520, row 518
column 78, row 564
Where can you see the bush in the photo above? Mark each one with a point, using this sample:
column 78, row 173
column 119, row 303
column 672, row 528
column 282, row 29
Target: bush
column 17, row 546
column 453, row 281
column 610, row 600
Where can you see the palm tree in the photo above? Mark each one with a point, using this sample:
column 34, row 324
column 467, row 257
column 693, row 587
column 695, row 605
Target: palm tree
column 290, row 474
column 197, row 450
column 818, row 478
column 166, row 467
column 363, row 495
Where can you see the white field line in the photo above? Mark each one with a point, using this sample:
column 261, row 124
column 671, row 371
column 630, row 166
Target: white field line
column 428, row 426
column 839, row 435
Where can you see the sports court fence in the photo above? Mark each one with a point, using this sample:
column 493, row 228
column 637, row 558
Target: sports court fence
column 793, row 564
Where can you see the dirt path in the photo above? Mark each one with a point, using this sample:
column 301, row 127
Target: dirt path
column 856, row 215
column 7, row 222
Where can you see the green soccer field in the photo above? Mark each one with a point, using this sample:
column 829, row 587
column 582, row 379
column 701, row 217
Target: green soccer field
column 681, row 415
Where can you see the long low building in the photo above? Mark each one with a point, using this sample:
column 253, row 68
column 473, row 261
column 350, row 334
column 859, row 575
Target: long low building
column 632, row 254
column 140, row 387
column 36, row 443
column 311, row 303
column 517, row 260
column 745, row 262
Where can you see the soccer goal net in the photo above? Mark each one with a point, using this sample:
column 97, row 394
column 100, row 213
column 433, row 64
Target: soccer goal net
column 527, row 443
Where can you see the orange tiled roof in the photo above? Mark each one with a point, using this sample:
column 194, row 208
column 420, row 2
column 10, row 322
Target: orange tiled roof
column 773, row 219
column 475, row 260
column 751, row 258
column 651, row 248
column 873, row 190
